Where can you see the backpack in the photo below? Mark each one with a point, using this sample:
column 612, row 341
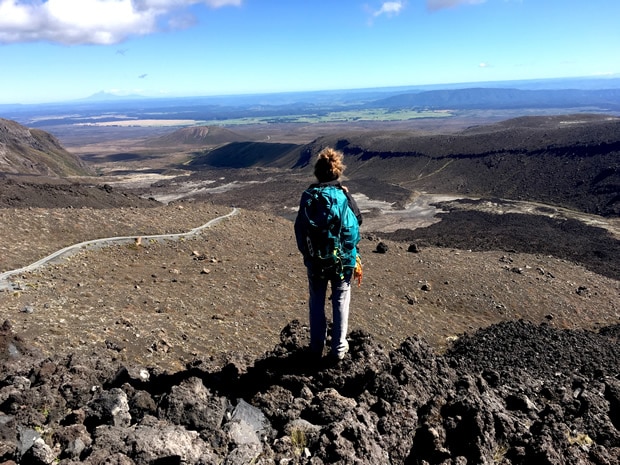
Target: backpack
column 327, row 230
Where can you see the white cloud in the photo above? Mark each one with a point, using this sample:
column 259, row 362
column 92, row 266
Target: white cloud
column 101, row 22
column 483, row 65
column 389, row 9
column 442, row 4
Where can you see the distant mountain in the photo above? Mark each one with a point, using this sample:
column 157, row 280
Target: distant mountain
column 32, row 151
column 198, row 136
column 498, row 98
column 107, row 96
column 533, row 96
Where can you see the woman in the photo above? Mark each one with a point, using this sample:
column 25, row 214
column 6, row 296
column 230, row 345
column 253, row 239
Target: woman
column 327, row 233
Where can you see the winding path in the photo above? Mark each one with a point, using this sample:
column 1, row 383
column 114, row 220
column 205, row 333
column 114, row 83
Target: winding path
column 4, row 277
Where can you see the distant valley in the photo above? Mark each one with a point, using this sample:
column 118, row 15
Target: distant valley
column 490, row 100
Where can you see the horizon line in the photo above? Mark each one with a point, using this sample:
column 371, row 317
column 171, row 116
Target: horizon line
column 111, row 96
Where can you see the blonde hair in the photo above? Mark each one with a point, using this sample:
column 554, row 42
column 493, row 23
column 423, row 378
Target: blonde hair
column 329, row 165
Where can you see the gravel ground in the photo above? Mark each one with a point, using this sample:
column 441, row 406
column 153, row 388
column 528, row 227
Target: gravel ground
column 232, row 288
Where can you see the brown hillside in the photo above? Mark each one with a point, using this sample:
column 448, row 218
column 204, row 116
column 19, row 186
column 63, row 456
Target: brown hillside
column 35, row 152
column 571, row 161
column 197, row 136
column 248, row 154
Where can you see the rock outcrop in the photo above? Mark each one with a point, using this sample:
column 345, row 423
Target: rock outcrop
column 513, row 393
column 35, row 152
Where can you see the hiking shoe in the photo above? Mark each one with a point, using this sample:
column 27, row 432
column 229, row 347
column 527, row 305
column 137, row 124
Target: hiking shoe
column 341, row 352
column 338, row 356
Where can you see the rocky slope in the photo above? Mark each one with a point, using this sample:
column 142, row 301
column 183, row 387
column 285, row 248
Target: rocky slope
column 514, row 393
column 25, row 192
column 570, row 160
column 32, row 151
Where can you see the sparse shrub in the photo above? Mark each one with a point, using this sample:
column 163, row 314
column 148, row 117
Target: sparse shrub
column 299, row 440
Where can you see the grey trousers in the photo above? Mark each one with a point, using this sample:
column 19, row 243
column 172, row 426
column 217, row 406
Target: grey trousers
column 340, row 300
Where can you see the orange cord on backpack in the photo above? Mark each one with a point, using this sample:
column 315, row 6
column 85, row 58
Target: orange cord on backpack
column 358, row 272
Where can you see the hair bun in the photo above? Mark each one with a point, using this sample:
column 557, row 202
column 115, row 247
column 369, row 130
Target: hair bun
column 329, row 165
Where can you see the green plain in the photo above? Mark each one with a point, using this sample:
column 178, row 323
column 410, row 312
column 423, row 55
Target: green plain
column 345, row 116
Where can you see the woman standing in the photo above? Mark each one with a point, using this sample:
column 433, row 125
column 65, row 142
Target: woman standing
column 327, row 233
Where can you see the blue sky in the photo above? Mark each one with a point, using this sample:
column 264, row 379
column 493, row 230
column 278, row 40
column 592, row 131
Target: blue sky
column 58, row 50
